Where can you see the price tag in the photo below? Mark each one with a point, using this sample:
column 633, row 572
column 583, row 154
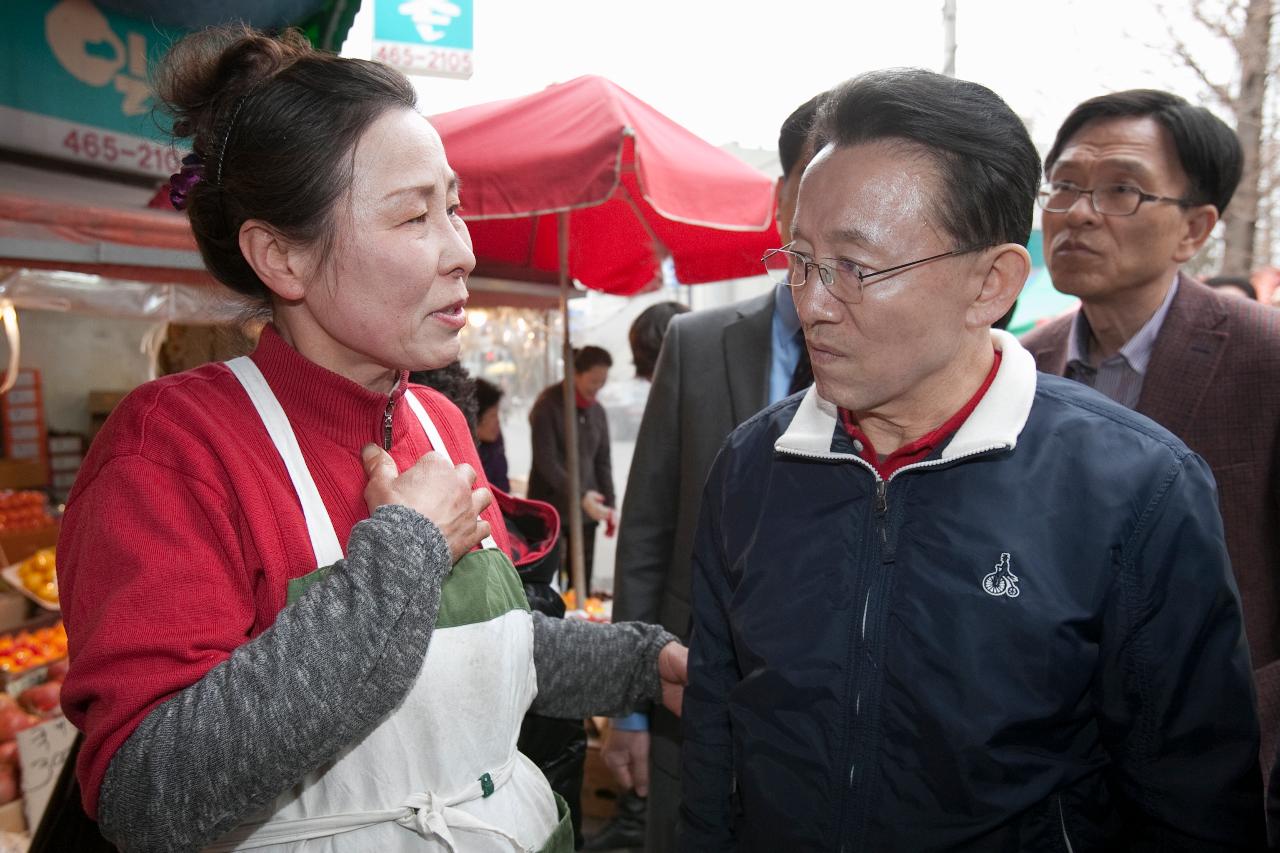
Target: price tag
column 42, row 750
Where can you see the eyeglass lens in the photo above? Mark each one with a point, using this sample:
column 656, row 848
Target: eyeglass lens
column 1109, row 200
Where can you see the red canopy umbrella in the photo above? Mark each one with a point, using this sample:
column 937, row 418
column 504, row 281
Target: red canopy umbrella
column 631, row 185
column 635, row 184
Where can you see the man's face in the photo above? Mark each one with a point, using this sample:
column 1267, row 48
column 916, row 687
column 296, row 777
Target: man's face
column 874, row 204
column 1100, row 257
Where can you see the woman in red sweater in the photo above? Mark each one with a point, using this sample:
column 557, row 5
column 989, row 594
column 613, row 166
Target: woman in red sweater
column 291, row 617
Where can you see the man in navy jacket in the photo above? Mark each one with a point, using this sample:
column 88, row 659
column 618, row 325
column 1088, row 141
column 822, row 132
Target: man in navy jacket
column 941, row 601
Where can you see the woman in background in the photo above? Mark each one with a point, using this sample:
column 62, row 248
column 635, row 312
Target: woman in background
column 493, row 453
column 549, row 472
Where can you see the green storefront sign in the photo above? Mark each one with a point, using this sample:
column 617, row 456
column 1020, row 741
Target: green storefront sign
column 75, row 86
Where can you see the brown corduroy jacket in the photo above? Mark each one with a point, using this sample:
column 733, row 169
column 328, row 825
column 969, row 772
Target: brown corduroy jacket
column 1214, row 381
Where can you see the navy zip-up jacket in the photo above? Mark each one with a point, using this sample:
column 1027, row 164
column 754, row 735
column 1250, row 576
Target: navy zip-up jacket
column 1029, row 641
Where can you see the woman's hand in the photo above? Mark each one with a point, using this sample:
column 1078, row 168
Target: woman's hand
column 673, row 670
column 593, row 506
column 442, row 492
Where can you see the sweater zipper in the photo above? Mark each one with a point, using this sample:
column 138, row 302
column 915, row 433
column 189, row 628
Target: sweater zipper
column 386, row 424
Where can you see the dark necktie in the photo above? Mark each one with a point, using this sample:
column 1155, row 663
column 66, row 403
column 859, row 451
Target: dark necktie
column 802, row 376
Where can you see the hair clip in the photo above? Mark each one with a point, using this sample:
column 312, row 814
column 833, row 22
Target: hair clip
column 182, row 183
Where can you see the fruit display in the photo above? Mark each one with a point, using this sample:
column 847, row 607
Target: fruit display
column 38, row 575
column 37, row 658
column 24, row 510
column 594, row 609
column 29, row 649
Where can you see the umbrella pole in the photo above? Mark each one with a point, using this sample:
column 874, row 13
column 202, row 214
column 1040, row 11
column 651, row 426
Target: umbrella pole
column 572, row 523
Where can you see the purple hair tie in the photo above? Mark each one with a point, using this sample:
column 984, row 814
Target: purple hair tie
column 182, row 183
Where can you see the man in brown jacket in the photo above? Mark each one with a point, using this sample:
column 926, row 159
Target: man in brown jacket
column 1135, row 182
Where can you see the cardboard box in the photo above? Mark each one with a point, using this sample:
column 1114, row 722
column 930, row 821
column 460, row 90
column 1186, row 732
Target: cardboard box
column 23, row 474
column 65, row 462
column 27, row 378
column 15, row 608
column 600, row 791
column 17, row 545
column 100, row 405
column 65, row 443
column 102, row 402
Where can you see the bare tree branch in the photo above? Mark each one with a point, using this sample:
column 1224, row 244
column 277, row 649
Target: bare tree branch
column 1219, row 91
column 1216, row 25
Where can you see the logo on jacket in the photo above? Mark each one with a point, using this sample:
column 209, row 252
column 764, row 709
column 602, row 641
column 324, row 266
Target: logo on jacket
column 1002, row 581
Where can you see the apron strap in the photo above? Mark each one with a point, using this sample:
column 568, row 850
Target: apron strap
column 324, row 540
column 437, row 443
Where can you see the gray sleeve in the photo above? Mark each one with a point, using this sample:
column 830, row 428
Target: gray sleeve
column 333, row 664
column 587, row 668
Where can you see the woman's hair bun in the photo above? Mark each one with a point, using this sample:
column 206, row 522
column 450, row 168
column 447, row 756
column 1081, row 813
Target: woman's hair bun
column 204, row 74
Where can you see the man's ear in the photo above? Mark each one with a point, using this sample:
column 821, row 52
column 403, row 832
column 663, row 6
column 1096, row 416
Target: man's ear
column 284, row 267
column 1007, row 269
column 1198, row 224
column 777, row 209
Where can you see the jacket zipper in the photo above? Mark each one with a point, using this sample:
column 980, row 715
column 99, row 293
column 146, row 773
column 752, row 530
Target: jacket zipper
column 1062, row 822
column 386, row 424
column 882, row 507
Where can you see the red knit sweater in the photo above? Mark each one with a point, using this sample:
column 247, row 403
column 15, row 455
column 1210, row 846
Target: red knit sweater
column 183, row 529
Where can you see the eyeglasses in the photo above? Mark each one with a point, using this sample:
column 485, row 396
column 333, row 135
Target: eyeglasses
column 844, row 279
column 1108, row 200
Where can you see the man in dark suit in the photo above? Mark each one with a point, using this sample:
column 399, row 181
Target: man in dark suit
column 717, row 368
column 1135, row 183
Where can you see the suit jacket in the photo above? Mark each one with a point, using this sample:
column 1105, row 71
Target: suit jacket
column 712, row 374
column 1214, row 381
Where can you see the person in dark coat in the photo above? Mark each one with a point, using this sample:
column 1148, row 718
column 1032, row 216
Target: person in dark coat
column 942, row 601
column 493, row 452
column 549, row 474
column 1199, row 361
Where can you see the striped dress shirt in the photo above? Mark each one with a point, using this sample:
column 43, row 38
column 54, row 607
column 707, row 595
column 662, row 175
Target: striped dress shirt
column 1120, row 376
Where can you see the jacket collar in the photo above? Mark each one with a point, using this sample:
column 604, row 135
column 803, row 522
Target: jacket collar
column 319, row 399
column 994, row 425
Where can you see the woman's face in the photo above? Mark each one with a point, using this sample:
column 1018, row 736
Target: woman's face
column 489, row 425
column 392, row 293
column 589, row 382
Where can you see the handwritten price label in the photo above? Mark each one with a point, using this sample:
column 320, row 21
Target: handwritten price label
column 42, row 750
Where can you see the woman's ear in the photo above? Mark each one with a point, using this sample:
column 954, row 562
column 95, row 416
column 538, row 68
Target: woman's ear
column 284, row 267
column 1007, row 270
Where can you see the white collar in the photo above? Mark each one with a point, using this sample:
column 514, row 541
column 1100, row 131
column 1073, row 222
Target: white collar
column 994, row 424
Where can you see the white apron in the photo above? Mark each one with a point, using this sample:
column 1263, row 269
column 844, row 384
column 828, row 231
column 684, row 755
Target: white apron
column 441, row 772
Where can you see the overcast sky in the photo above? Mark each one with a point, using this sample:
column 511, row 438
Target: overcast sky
column 731, row 70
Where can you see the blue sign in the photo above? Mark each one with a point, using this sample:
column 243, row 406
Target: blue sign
column 433, row 37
